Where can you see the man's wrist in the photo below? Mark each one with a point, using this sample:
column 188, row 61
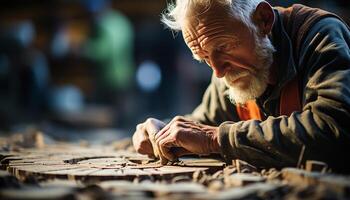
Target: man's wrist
column 214, row 144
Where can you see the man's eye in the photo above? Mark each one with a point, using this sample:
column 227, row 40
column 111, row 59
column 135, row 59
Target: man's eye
column 224, row 47
column 228, row 46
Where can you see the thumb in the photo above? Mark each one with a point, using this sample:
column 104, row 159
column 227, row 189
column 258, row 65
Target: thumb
column 153, row 126
column 152, row 130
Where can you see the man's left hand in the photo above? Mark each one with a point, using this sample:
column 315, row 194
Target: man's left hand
column 182, row 136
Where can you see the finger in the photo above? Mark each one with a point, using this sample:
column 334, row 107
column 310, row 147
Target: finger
column 140, row 126
column 165, row 128
column 152, row 129
column 161, row 132
column 165, row 152
column 175, row 129
column 146, row 144
column 159, row 124
column 193, row 125
column 146, row 148
column 141, row 136
column 174, row 125
column 151, row 133
column 137, row 138
column 141, row 142
column 162, row 151
column 168, row 146
column 166, row 134
column 153, row 125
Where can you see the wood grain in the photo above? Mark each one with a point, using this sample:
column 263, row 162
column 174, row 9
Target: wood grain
column 81, row 163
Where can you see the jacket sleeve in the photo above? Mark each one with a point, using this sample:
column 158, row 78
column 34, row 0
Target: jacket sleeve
column 323, row 125
column 215, row 107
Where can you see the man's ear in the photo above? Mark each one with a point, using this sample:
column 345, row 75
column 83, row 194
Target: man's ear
column 264, row 17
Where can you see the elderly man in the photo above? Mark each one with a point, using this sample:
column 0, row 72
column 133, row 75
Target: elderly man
column 280, row 90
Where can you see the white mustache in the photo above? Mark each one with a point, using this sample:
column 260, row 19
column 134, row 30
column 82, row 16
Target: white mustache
column 234, row 75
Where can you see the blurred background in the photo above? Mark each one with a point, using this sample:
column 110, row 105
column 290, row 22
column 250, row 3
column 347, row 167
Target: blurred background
column 93, row 69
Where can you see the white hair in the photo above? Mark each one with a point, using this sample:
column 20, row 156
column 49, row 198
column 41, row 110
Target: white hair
column 176, row 14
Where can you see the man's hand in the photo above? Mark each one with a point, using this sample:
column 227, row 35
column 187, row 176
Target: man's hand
column 143, row 138
column 182, row 136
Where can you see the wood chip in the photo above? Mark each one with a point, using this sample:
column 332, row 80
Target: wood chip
column 316, row 166
column 241, row 179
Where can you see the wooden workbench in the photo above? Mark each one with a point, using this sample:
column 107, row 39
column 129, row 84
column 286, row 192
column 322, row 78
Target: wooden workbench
column 76, row 171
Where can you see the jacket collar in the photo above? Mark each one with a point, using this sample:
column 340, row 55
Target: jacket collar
column 283, row 57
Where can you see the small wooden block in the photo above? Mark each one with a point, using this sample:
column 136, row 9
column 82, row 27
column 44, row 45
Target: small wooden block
column 241, row 179
column 316, row 166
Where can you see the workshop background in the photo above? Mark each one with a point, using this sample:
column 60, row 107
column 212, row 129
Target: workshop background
column 93, row 69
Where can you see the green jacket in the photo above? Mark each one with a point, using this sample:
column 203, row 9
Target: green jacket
column 314, row 45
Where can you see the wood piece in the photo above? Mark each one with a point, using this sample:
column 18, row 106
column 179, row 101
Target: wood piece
column 271, row 174
column 38, row 193
column 240, row 179
column 230, row 170
column 157, row 188
column 7, row 180
column 303, row 177
column 243, row 166
column 340, row 184
column 299, row 176
column 202, row 162
column 181, row 179
column 248, row 192
column 198, row 175
column 216, row 185
column 316, row 166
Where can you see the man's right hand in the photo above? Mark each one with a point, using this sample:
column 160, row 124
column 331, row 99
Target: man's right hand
column 143, row 138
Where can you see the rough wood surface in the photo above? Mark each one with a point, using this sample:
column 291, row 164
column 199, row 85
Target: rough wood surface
column 76, row 163
column 70, row 171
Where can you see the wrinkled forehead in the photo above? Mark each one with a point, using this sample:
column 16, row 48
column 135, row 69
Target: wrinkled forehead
column 214, row 19
column 202, row 13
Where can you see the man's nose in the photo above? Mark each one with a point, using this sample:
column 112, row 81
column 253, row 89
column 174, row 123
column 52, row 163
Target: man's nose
column 219, row 67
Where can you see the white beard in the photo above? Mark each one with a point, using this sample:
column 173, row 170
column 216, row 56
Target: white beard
column 258, row 81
